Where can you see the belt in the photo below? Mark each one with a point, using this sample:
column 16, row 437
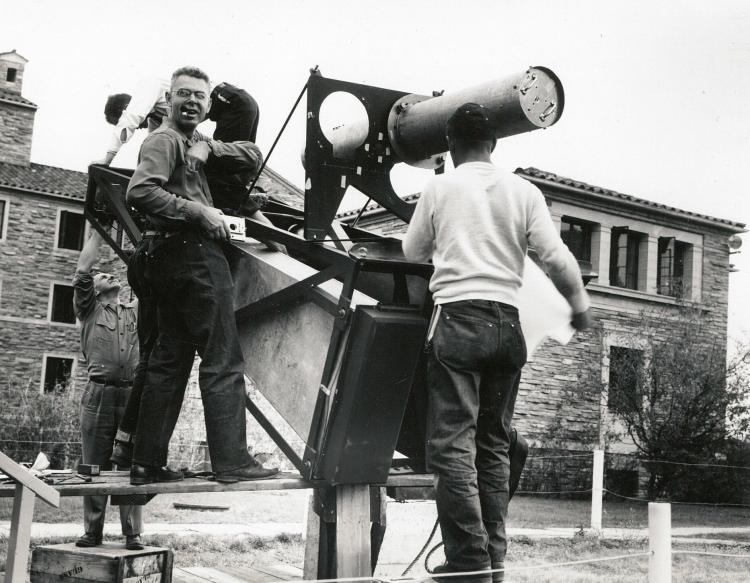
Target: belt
column 165, row 234
column 115, row 383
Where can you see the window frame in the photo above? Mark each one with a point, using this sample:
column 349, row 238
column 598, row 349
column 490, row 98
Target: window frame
column 588, row 234
column 58, row 227
column 4, row 219
column 675, row 285
column 61, row 355
column 613, row 410
column 634, row 240
column 50, row 304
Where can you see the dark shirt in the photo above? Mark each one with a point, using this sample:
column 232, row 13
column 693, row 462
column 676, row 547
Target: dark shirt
column 109, row 334
column 164, row 187
column 236, row 115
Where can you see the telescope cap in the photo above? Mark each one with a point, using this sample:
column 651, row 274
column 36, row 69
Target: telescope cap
column 470, row 121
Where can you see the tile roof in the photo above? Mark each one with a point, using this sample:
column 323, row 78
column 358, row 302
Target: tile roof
column 13, row 97
column 42, row 179
column 54, row 181
column 281, row 189
column 532, row 173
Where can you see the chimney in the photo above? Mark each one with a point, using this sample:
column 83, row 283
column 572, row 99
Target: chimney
column 16, row 112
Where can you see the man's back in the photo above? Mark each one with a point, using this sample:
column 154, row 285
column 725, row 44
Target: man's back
column 483, row 219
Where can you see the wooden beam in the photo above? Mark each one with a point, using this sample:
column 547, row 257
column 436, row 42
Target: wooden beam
column 23, row 476
column 353, row 530
column 20, row 534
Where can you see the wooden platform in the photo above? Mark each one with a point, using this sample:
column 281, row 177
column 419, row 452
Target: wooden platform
column 254, row 574
column 119, row 483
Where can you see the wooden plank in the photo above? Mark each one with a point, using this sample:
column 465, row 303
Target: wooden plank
column 119, row 483
column 23, row 476
column 353, row 530
column 20, row 534
column 204, row 574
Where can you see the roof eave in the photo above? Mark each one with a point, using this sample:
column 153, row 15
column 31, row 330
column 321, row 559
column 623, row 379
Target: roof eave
column 28, row 105
column 636, row 204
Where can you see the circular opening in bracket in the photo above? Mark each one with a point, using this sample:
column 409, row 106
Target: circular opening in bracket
column 344, row 122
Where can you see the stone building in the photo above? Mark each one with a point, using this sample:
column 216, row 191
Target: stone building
column 643, row 258
column 41, row 233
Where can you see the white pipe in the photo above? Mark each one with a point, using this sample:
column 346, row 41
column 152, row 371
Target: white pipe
column 660, row 542
column 597, row 490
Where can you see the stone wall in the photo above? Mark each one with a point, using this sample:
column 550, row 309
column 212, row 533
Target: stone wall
column 16, row 129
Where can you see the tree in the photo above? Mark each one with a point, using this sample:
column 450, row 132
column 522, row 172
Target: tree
column 670, row 391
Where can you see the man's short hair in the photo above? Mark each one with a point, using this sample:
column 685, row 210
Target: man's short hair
column 114, row 107
column 190, row 72
column 471, row 123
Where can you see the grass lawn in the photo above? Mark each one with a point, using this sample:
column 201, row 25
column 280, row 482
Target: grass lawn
column 289, row 507
column 192, row 551
column 534, row 511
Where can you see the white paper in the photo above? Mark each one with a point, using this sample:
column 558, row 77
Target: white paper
column 542, row 309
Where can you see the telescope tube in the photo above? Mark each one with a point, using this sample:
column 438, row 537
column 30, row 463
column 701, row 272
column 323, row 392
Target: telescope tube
column 521, row 103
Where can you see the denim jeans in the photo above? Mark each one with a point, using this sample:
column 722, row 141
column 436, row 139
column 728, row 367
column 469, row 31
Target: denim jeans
column 101, row 409
column 473, row 369
column 192, row 285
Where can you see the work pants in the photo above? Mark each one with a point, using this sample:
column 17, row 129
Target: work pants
column 148, row 331
column 474, row 368
column 102, row 407
column 190, row 277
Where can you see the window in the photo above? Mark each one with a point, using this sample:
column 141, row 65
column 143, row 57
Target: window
column 70, row 230
column 3, row 218
column 624, row 258
column 62, row 304
column 670, row 272
column 11, row 75
column 57, row 372
column 576, row 234
column 625, row 377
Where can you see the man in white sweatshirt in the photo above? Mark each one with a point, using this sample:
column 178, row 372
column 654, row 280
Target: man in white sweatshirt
column 475, row 225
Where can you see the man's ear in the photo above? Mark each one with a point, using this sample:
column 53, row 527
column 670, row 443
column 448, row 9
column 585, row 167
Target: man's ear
column 168, row 97
column 208, row 107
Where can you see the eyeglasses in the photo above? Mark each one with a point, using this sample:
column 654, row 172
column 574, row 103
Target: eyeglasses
column 185, row 93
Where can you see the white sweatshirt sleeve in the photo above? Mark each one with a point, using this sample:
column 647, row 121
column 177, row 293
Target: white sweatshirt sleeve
column 557, row 259
column 419, row 242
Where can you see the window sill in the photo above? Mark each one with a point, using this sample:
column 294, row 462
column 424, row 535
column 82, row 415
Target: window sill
column 638, row 295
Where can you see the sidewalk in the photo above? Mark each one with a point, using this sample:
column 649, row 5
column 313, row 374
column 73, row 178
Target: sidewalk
column 408, row 527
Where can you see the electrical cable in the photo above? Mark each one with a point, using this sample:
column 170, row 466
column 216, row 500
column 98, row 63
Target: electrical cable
column 422, row 550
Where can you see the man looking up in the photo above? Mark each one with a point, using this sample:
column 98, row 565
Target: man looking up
column 189, row 275
column 475, row 225
column 110, row 344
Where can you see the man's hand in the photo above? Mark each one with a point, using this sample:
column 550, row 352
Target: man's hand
column 582, row 320
column 212, row 222
column 197, row 155
column 107, row 160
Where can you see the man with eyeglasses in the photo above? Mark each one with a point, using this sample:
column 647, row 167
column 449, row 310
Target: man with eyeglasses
column 189, row 275
column 236, row 115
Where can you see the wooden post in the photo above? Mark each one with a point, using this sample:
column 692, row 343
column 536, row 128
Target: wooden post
column 20, row 534
column 353, row 530
column 597, row 490
column 378, row 517
column 660, row 542
column 312, row 541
